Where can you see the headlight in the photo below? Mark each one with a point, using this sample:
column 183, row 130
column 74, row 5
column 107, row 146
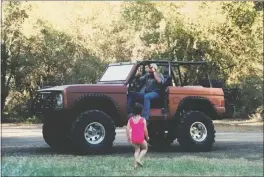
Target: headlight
column 59, row 100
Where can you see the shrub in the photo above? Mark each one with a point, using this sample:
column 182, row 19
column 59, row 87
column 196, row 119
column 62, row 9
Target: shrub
column 251, row 98
column 17, row 107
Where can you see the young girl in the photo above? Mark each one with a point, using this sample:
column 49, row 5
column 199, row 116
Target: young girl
column 136, row 131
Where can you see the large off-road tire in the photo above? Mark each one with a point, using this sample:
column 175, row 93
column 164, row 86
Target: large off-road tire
column 55, row 134
column 92, row 132
column 196, row 132
column 157, row 136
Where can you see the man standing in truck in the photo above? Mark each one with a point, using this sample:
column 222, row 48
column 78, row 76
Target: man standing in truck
column 150, row 91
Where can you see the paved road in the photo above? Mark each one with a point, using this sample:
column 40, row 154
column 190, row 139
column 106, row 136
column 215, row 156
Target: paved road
column 28, row 140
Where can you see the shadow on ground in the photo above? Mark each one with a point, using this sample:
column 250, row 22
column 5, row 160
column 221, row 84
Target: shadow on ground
column 252, row 151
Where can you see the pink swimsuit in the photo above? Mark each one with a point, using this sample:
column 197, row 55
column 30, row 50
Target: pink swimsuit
column 137, row 136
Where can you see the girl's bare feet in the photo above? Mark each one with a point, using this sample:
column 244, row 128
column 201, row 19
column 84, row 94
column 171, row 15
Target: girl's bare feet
column 139, row 163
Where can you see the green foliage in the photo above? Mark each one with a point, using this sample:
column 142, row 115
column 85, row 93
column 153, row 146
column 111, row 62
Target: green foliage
column 252, row 95
column 259, row 5
column 242, row 14
column 17, row 107
column 60, row 60
column 142, row 14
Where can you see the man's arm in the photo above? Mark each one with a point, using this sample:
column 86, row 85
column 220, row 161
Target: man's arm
column 143, row 78
column 140, row 77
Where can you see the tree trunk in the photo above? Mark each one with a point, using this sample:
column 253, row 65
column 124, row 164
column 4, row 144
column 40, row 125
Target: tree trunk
column 3, row 100
column 4, row 58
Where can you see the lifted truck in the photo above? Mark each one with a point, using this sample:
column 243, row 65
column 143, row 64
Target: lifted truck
column 83, row 117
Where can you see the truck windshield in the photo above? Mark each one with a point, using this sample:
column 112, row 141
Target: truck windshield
column 116, row 73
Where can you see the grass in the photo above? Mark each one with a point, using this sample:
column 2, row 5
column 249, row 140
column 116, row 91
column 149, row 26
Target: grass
column 238, row 128
column 241, row 125
column 115, row 165
column 29, row 120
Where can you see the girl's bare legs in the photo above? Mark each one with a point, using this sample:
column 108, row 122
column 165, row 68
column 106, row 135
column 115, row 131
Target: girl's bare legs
column 144, row 149
column 136, row 154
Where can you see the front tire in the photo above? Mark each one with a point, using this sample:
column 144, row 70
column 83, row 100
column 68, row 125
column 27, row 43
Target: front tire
column 55, row 134
column 196, row 132
column 93, row 131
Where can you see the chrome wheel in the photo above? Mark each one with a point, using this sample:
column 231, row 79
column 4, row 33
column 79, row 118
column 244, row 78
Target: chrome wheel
column 94, row 133
column 198, row 131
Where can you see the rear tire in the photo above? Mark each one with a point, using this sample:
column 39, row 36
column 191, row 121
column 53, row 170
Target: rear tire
column 92, row 132
column 157, row 136
column 192, row 138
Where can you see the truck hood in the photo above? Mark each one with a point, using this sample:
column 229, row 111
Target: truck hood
column 84, row 88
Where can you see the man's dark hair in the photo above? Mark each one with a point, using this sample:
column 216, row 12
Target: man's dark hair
column 137, row 108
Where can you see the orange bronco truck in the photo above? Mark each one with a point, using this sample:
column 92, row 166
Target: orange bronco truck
column 83, row 117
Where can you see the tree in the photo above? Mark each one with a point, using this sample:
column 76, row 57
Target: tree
column 12, row 45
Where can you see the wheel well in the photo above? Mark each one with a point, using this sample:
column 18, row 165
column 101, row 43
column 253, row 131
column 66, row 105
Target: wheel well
column 198, row 104
column 97, row 102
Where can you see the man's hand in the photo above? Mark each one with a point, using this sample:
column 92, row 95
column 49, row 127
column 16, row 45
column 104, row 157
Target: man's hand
column 152, row 70
column 157, row 77
column 139, row 72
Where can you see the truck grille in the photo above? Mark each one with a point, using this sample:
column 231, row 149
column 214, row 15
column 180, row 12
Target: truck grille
column 44, row 101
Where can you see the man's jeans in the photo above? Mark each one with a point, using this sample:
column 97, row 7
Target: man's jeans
column 147, row 97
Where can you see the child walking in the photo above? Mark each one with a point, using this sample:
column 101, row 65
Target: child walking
column 136, row 134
